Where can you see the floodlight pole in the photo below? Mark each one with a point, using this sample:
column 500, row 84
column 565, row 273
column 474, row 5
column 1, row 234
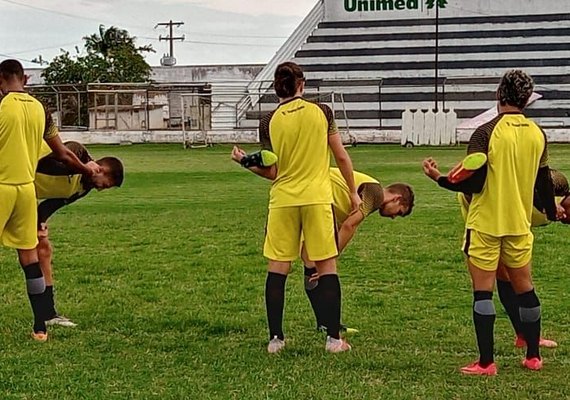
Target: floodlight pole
column 436, row 64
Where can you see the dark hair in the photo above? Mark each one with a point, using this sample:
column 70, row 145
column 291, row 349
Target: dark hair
column 288, row 77
column 11, row 68
column 116, row 167
column 407, row 194
column 515, row 89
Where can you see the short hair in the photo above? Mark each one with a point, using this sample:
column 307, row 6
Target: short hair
column 288, row 76
column 407, row 194
column 515, row 89
column 10, row 69
column 116, row 169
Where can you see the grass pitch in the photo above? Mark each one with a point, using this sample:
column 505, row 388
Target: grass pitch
column 165, row 278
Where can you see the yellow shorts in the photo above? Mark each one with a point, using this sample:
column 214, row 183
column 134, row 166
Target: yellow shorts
column 485, row 251
column 287, row 225
column 18, row 216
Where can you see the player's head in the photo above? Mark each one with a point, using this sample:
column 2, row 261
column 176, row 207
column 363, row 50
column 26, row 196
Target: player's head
column 401, row 201
column 289, row 80
column 11, row 74
column 566, row 205
column 111, row 174
column 515, row 89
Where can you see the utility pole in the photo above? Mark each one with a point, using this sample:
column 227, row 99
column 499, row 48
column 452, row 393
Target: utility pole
column 170, row 60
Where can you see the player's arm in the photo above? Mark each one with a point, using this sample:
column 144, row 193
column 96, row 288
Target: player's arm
column 473, row 184
column 343, row 161
column 544, row 186
column 50, row 165
column 256, row 162
column 478, row 143
column 62, row 153
column 348, row 229
column 372, row 196
column 261, row 163
column 48, row 207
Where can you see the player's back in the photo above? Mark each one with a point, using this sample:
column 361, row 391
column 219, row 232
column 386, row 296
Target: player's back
column 516, row 149
column 341, row 193
column 22, row 125
column 298, row 132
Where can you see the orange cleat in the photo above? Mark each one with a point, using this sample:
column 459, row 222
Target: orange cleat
column 547, row 343
column 534, row 364
column 466, row 168
column 40, row 336
column 476, row 369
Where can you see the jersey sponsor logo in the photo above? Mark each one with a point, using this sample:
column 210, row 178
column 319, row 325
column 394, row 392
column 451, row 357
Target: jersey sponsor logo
column 391, row 5
column 293, row 110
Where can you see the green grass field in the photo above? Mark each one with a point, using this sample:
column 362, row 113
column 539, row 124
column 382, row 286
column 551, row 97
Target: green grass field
column 165, row 277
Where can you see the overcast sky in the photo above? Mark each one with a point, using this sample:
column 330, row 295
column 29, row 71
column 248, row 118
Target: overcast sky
column 217, row 31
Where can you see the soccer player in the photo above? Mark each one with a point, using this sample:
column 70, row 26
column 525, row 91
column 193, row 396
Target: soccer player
column 57, row 186
column 507, row 296
column 24, row 124
column 395, row 200
column 301, row 134
column 498, row 226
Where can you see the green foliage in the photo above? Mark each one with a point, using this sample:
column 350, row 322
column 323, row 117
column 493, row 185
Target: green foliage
column 110, row 56
column 165, row 277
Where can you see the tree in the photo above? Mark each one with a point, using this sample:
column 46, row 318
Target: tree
column 111, row 55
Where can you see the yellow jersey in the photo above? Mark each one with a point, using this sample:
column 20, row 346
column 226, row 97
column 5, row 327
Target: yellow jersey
column 516, row 148
column 55, row 180
column 368, row 188
column 24, row 123
column 297, row 132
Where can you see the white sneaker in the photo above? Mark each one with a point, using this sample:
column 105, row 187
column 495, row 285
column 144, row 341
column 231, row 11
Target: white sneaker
column 61, row 321
column 275, row 345
column 336, row 345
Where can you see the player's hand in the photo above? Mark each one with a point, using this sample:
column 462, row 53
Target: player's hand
column 94, row 168
column 315, row 277
column 43, row 231
column 560, row 213
column 429, row 166
column 356, row 201
column 238, row 154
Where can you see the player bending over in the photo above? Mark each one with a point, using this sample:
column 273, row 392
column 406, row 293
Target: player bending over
column 58, row 186
column 396, row 200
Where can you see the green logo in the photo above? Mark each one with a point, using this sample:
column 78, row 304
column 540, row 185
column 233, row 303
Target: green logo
column 440, row 3
column 389, row 5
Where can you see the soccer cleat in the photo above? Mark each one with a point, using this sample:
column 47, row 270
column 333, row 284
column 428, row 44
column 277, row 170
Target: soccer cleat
column 534, row 364
column 467, row 167
column 547, row 343
column 343, row 329
column 476, row 369
column 40, row 336
column 336, row 345
column 275, row 345
column 61, row 321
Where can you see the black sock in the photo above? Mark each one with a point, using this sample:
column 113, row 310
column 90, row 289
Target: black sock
column 313, row 293
column 274, row 303
column 331, row 304
column 35, row 285
column 50, row 303
column 484, row 320
column 510, row 302
column 530, row 318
